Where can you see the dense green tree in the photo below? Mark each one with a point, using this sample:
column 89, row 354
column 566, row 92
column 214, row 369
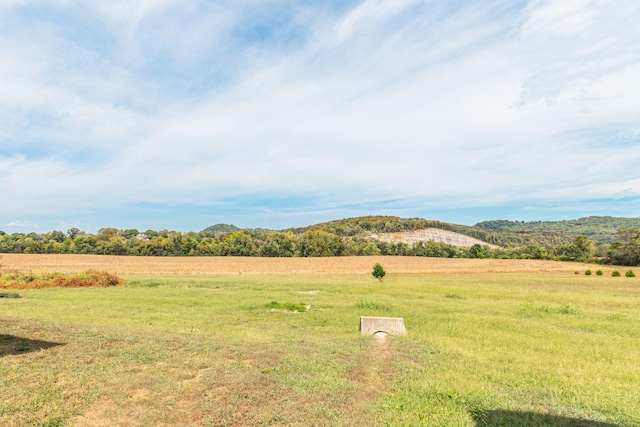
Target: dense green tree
column 319, row 243
column 239, row 243
column 278, row 245
column 626, row 252
column 370, row 249
column 585, row 247
column 477, row 251
column 399, row 249
column 73, row 232
column 378, row 271
column 129, row 233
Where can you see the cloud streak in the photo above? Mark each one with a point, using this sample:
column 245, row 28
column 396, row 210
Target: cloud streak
column 315, row 109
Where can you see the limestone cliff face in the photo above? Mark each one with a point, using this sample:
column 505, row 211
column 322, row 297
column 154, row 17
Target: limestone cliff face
column 435, row 234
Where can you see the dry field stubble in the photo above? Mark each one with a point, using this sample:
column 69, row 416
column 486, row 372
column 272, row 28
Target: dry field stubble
column 248, row 265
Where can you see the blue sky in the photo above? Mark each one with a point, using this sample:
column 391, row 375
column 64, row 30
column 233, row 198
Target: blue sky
column 182, row 114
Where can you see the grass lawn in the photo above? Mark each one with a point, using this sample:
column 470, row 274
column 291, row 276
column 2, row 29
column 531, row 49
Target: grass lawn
column 508, row 349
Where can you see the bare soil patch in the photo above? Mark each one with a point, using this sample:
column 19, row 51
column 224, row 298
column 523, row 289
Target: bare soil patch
column 426, row 234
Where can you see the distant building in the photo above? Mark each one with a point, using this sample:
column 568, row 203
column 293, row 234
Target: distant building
column 142, row 237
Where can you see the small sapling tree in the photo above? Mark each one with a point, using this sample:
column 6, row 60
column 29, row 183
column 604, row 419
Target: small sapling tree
column 378, row 271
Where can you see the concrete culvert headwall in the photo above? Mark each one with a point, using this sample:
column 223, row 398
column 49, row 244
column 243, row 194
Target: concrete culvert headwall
column 370, row 325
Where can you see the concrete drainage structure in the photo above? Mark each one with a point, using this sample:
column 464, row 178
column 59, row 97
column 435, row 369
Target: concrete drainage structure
column 381, row 326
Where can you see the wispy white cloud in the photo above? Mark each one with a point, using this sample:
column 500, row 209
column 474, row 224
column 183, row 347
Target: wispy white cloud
column 445, row 104
column 23, row 224
column 569, row 46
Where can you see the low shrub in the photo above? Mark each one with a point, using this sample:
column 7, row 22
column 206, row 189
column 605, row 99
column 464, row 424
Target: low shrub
column 598, row 272
column 89, row 279
column 615, row 273
column 587, row 273
column 630, row 273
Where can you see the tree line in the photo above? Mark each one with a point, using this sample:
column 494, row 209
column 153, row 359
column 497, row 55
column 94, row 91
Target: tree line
column 347, row 238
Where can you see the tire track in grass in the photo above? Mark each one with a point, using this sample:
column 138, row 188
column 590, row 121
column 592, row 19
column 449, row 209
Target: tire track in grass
column 373, row 372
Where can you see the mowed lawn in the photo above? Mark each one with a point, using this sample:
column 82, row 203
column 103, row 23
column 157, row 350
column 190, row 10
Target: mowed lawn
column 485, row 349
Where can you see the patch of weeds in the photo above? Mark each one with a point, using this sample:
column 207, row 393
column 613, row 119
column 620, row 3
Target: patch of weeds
column 545, row 309
column 287, row 306
column 617, row 317
column 577, row 272
column 453, row 296
column 268, row 419
column 143, row 284
column 371, row 304
column 5, row 409
column 569, row 309
column 530, row 308
column 52, row 422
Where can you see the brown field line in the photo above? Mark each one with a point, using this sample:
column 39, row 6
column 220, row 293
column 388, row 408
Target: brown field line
column 249, row 265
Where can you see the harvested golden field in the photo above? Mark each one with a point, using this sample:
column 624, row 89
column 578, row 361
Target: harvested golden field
column 249, row 265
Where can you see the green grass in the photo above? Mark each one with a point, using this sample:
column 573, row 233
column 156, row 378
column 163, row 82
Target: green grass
column 497, row 350
column 291, row 307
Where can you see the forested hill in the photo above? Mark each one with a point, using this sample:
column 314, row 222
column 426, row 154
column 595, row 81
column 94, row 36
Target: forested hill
column 362, row 226
column 598, row 228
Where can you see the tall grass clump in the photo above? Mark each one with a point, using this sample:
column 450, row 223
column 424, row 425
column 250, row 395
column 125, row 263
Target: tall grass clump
column 372, row 304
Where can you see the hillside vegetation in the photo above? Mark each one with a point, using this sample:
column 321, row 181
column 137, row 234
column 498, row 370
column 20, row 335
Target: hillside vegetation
column 595, row 239
column 599, row 228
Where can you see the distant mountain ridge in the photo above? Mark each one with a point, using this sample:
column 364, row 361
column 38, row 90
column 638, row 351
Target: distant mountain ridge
column 598, row 228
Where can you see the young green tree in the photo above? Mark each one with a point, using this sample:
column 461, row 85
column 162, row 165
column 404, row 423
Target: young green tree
column 378, row 271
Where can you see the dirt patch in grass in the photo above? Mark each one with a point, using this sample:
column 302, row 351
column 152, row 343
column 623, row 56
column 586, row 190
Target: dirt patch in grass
column 373, row 373
column 374, row 368
column 115, row 377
